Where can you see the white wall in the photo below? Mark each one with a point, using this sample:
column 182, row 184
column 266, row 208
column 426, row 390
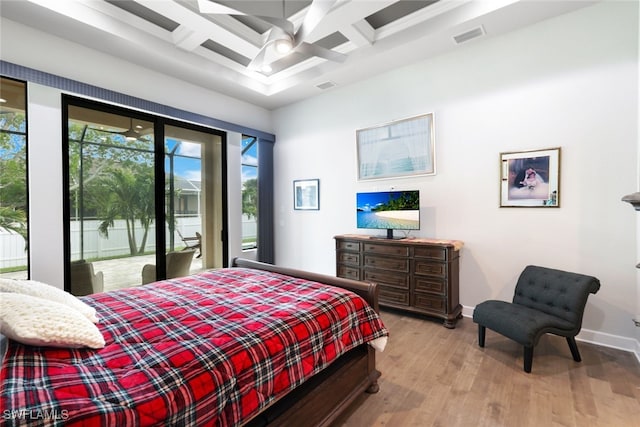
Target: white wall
column 569, row 82
column 45, row 185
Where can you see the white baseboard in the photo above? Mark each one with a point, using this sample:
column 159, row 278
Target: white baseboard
column 593, row 337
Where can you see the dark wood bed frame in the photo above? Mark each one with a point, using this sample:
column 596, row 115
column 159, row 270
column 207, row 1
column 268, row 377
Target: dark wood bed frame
column 321, row 399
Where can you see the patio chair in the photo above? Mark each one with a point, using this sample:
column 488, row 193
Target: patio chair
column 178, row 265
column 83, row 280
column 192, row 242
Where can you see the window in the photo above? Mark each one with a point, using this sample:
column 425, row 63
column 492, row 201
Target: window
column 249, row 192
column 13, row 180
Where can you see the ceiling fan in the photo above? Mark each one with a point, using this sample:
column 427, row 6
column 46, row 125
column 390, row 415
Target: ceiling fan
column 130, row 134
column 282, row 36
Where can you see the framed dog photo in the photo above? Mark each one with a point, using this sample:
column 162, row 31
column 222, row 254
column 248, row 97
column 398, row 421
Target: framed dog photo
column 530, row 178
column 306, row 194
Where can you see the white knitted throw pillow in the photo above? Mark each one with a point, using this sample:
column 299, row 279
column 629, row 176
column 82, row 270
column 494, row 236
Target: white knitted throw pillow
column 40, row 322
column 48, row 292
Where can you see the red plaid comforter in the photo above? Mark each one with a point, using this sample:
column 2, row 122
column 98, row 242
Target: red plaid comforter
column 210, row 349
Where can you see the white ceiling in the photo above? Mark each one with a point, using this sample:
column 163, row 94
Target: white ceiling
column 213, row 51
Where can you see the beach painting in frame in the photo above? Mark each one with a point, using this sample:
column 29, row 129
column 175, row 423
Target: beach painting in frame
column 397, row 149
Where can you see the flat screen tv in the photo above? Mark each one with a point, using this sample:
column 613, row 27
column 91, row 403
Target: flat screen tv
column 388, row 210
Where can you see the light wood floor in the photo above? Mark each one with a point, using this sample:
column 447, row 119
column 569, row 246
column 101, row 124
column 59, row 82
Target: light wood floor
column 432, row 376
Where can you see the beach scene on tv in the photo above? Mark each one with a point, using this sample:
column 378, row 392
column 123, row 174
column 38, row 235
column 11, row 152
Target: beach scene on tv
column 399, row 210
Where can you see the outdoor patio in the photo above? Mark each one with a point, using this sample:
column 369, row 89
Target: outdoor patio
column 127, row 272
column 120, row 272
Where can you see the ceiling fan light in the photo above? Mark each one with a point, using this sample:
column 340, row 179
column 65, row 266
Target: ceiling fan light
column 283, row 46
column 266, row 68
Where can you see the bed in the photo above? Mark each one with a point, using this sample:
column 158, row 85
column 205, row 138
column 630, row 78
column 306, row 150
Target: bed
column 207, row 349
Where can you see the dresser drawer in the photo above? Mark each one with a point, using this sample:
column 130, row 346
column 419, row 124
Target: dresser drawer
column 413, row 275
column 425, row 284
column 430, row 252
column 396, row 264
column 349, row 258
column 348, row 272
column 348, row 246
column 428, row 302
column 386, row 249
column 392, row 296
column 400, row 281
column 431, row 268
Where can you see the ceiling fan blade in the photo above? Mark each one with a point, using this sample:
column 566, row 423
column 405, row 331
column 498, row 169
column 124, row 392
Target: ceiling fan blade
column 321, row 52
column 317, row 11
column 257, row 63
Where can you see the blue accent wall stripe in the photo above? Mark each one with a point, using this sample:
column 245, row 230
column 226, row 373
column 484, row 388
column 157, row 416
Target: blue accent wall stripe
column 15, row 71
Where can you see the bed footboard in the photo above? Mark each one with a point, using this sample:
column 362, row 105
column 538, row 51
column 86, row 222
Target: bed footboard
column 321, row 399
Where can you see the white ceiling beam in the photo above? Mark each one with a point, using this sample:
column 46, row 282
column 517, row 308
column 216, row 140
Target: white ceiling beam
column 201, row 26
column 359, row 33
column 103, row 16
column 187, row 39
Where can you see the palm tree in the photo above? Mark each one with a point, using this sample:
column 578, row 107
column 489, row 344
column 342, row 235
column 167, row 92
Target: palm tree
column 129, row 195
column 13, row 220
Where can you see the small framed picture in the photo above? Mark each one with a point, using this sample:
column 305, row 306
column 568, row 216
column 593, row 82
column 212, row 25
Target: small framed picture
column 306, row 194
column 530, row 178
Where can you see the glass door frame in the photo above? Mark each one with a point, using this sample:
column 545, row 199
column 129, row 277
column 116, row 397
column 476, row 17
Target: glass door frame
column 159, row 124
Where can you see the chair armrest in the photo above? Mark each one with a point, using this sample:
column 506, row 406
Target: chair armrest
column 148, row 273
column 98, row 282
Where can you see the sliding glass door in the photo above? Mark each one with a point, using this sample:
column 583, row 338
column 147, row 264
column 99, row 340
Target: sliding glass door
column 116, row 201
column 194, row 199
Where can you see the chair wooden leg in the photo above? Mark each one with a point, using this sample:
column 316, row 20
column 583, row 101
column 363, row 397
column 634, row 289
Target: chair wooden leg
column 574, row 349
column 528, row 359
column 481, row 334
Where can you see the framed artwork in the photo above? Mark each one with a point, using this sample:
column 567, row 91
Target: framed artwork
column 306, row 194
column 530, row 178
column 398, row 149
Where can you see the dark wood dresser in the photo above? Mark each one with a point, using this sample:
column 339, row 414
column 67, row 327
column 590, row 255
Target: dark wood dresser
column 417, row 275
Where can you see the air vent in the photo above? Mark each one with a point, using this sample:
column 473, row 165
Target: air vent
column 325, row 85
column 468, row 35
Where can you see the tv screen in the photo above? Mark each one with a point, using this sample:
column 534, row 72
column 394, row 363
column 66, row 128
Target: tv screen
column 390, row 210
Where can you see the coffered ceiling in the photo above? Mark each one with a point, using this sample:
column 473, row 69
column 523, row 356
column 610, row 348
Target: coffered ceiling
column 215, row 50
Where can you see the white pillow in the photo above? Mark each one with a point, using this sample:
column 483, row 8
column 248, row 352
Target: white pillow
column 48, row 292
column 36, row 321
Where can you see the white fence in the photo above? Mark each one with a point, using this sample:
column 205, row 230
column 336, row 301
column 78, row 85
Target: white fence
column 13, row 250
column 97, row 246
column 13, row 253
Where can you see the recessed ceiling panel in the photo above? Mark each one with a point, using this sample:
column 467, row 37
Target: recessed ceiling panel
column 396, row 11
column 226, row 52
column 149, row 15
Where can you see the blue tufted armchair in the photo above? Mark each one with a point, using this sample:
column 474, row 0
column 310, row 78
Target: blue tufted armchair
column 545, row 301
